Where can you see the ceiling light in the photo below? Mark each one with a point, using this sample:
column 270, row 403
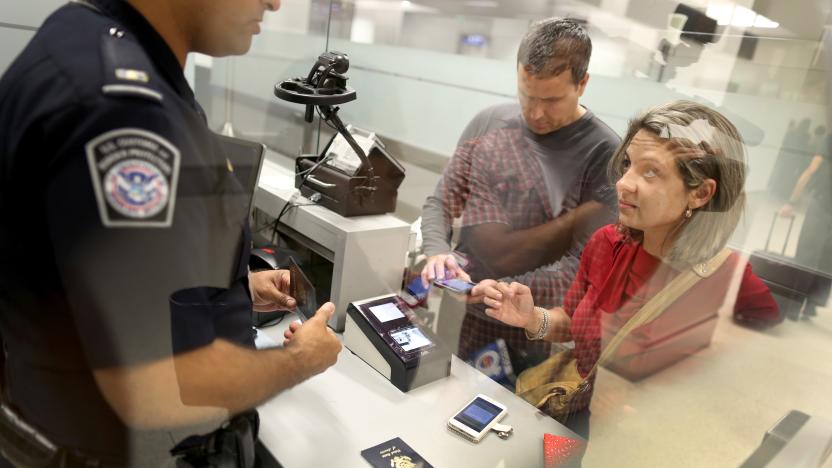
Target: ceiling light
column 721, row 13
column 727, row 14
column 743, row 17
column 482, row 3
column 763, row 22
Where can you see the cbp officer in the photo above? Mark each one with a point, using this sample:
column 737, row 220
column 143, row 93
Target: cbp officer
column 125, row 300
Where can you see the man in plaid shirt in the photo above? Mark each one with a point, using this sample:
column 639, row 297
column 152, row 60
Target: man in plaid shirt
column 528, row 181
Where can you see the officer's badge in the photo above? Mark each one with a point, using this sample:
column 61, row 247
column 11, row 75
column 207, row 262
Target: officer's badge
column 134, row 174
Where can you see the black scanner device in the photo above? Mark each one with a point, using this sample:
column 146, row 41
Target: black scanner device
column 385, row 334
column 368, row 187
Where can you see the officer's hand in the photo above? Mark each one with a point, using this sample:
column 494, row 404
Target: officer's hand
column 290, row 332
column 314, row 345
column 269, row 290
column 442, row 266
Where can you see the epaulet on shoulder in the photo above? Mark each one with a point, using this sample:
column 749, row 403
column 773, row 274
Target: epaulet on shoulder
column 128, row 71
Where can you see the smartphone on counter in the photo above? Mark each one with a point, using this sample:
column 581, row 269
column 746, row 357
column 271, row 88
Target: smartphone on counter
column 477, row 418
column 455, row 285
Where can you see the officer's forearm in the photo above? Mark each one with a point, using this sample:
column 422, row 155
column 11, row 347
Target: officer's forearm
column 236, row 378
column 509, row 252
column 147, row 397
column 513, row 252
column 197, row 387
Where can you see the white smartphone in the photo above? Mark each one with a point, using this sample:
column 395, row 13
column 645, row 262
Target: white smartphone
column 477, row 418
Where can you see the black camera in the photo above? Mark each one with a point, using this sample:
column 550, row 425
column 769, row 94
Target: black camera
column 329, row 69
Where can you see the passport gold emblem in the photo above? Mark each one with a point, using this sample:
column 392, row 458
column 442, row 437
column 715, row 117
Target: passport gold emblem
column 402, row 461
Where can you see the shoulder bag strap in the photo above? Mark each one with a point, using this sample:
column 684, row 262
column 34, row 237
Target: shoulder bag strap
column 655, row 306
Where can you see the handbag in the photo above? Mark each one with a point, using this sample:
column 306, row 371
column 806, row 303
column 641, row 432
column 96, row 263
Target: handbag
column 556, row 387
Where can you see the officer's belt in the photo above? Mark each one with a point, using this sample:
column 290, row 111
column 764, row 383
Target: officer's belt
column 231, row 446
column 23, row 445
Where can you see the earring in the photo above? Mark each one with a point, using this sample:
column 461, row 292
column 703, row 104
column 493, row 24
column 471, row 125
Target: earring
column 688, row 213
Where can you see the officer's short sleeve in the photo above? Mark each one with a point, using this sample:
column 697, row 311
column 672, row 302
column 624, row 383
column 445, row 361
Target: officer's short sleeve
column 124, row 205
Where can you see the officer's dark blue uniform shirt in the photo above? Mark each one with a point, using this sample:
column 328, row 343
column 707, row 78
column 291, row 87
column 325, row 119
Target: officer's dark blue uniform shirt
column 123, row 224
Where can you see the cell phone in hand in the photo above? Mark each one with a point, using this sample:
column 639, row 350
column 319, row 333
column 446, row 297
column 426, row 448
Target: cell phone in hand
column 455, row 285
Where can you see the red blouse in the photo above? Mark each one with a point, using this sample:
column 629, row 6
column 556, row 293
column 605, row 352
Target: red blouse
column 617, row 277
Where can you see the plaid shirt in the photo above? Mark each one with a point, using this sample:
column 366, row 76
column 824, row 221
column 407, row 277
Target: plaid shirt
column 497, row 178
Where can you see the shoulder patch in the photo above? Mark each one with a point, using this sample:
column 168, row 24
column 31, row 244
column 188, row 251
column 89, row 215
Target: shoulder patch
column 134, row 173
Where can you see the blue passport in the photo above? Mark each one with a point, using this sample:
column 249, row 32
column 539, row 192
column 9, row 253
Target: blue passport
column 394, row 454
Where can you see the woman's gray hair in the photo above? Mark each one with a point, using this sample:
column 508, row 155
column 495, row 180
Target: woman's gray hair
column 707, row 146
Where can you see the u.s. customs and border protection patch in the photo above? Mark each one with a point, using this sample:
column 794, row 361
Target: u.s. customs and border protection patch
column 134, row 173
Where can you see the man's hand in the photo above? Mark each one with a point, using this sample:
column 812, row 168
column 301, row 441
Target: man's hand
column 314, row 346
column 440, row 267
column 511, row 304
column 270, row 290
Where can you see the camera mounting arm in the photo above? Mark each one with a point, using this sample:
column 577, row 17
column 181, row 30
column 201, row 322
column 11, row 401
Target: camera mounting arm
column 325, row 87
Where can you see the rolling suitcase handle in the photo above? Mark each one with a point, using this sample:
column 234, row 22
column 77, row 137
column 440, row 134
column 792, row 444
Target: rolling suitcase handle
column 788, row 233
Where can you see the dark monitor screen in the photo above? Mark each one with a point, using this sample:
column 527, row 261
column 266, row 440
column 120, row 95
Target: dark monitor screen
column 245, row 159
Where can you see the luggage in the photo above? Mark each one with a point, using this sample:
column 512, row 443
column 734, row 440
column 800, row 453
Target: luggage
column 789, row 282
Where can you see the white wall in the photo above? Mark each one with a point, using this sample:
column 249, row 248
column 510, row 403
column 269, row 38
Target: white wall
column 18, row 19
column 12, row 42
column 425, row 98
column 27, row 13
column 442, row 33
column 293, row 16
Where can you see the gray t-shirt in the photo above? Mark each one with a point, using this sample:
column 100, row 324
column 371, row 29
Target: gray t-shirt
column 572, row 161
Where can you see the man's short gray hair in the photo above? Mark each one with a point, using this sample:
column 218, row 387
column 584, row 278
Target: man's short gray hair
column 554, row 45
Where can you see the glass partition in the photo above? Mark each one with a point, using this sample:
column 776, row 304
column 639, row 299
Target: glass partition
column 423, row 69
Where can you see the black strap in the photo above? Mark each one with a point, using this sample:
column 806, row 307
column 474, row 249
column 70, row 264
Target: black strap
column 230, row 446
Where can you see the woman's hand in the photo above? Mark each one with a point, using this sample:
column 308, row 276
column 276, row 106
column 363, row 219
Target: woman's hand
column 477, row 294
column 511, row 304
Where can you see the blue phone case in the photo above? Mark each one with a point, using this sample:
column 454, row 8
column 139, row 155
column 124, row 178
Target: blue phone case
column 416, row 289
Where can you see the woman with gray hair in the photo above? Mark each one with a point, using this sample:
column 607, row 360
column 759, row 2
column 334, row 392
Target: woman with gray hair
column 680, row 175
